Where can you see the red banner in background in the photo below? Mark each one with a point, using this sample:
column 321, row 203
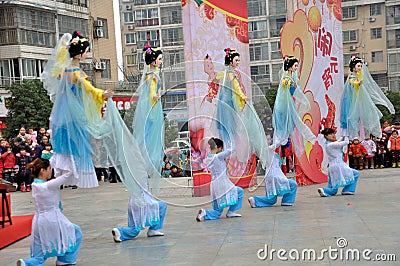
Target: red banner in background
column 124, row 102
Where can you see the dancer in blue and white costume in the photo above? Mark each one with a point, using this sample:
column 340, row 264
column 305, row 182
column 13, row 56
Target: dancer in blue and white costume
column 52, row 233
column 339, row 173
column 237, row 120
column 149, row 134
column 148, row 124
column 359, row 116
column 223, row 192
column 77, row 106
column 276, row 184
column 290, row 104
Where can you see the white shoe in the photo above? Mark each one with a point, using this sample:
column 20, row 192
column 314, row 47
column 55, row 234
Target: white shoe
column 60, row 263
column 347, row 193
column 321, row 192
column 252, row 202
column 21, row 262
column 151, row 233
column 117, row 235
column 233, row 214
column 286, row 204
column 200, row 215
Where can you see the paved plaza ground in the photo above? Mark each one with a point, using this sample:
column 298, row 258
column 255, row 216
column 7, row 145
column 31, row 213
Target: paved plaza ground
column 369, row 220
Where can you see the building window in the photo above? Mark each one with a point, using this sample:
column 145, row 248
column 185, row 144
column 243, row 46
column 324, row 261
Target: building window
column 150, row 36
column 131, row 59
column 171, row 37
column 170, row 1
column 393, row 15
column 146, row 17
column 259, row 52
column 71, row 24
column 394, row 84
column 393, row 63
column 349, row 12
column 260, row 75
column 130, row 38
column 75, row 2
column 106, row 73
column 145, row 2
column 173, row 58
column 128, row 17
column 393, row 38
column 276, row 68
column 8, row 36
column 105, row 27
column 171, row 15
column 172, row 100
column 275, row 25
column 276, row 50
column 36, row 38
column 256, row 8
column 377, row 56
column 29, row 67
column 174, row 79
column 380, row 79
column 350, row 36
column 258, row 29
column 375, row 9
column 376, row 33
column 277, row 7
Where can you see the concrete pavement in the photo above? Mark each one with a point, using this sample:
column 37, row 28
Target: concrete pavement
column 369, row 220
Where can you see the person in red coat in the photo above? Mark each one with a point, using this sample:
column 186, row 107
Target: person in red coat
column 357, row 151
column 394, row 148
column 9, row 161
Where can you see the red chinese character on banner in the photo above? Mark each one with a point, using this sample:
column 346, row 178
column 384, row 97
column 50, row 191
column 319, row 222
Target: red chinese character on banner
column 324, row 42
column 334, row 64
column 327, row 78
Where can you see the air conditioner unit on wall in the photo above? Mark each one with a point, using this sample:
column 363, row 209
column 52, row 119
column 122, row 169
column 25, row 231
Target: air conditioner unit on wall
column 100, row 66
column 131, row 27
column 352, row 47
column 128, row 7
column 133, row 50
column 97, row 66
column 98, row 23
column 98, row 33
column 371, row 19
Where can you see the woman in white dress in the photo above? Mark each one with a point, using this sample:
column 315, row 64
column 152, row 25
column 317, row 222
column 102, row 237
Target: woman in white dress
column 223, row 192
column 52, row 233
column 339, row 173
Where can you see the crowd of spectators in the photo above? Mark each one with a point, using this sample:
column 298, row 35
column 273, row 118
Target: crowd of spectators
column 19, row 151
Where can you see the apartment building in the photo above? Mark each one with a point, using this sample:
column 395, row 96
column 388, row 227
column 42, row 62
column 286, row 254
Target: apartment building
column 29, row 30
column 393, row 43
column 364, row 35
column 159, row 23
column 105, row 64
column 266, row 19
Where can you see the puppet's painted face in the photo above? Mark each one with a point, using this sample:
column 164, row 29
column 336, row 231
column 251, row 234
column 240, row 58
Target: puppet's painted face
column 294, row 67
column 158, row 61
column 357, row 67
column 235, row 62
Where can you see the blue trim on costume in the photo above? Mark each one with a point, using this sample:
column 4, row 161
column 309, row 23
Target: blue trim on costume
column 73, row 70
column 37, row 180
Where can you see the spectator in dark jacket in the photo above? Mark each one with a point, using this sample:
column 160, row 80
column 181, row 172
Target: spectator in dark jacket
column 40, row 148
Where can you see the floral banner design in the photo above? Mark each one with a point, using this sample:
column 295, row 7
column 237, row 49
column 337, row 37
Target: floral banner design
column 313, row 33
